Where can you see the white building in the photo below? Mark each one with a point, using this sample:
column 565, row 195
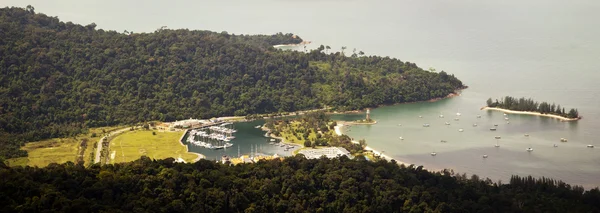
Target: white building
column 329, row 152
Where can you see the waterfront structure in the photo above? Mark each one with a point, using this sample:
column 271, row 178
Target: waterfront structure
column 329, row 152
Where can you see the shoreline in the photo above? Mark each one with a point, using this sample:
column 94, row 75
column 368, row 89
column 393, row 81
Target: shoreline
column 187, row 149
column 338, row 131
column 563, row 119
column 456, row 93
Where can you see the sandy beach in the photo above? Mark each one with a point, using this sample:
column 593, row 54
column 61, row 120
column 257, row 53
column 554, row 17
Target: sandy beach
column 529, row 113
column 338, row 131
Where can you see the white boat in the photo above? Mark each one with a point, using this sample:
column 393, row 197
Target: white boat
column 420, row 116
column 484, row 156
column 272, row 140
column 563, row 140
column 508, row 122
column 590, row 146
column 447, row 123
column 441, row 116
column 425, row 125
column 474, row 124
column 461, row 130
column 496, row 145
column 504, row 114
column 506, row 119
column 458, row 114
column 399, row 124
column 495, row 124
column 493, row 129
column 456, row 119
column 401, row 138
column 497, row 137
column 257, row 126
column 443, row 141
column 433, row 154
column 526, row 135
column 555, row 145
column 478, row 116
column 530, row 149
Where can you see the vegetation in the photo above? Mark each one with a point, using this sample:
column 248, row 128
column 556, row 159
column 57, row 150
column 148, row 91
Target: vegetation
column 79, row 149
column 131, row 145
column 529, row 105
column 58, row 79
column 294, row 184
column 311, row 130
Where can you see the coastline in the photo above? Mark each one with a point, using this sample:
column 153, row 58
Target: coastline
column 451, row 95
column 187, row 149
column 338, row 131
column 529, row 113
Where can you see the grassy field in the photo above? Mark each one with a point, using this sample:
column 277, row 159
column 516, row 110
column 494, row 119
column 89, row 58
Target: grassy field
column 60, row 150
column 131, row 146
column 295, row 128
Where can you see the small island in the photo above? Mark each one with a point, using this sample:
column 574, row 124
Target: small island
column 530, row 107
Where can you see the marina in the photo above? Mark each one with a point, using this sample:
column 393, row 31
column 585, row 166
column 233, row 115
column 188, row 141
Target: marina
column 216, row 136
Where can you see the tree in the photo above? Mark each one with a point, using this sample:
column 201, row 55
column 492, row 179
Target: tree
column 489, row 102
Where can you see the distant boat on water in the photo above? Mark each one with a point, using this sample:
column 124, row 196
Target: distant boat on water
column 493, row 129
column 529, row 149
column 461, row 130
column 478, row 116
column 257, row 126
column 401, row 138
column 447, row 123
column 555, row 145
column 526, row 135
column 443, row 141
column 590, row 146
column 474, row 124
column 563, row 140
column 484, row 156
column 433, row 154
column 497, row 137
column 420, row 116
column 425, row 125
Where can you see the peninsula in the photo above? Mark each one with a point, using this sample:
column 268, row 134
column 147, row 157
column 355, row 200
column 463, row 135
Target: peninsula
column 530, row 107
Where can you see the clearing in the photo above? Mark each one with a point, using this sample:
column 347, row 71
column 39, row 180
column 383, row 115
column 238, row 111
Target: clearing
column 131, row 145
column 60, row 150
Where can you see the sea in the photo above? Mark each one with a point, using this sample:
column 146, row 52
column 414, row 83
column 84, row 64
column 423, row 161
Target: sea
column 548, row 50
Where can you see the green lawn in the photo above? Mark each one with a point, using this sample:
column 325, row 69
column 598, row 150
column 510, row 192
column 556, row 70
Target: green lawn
column 131, row 146
column 59, row 150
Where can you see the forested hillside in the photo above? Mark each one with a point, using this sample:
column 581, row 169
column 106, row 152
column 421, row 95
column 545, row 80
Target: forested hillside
column 57, row 79
column 292, row 185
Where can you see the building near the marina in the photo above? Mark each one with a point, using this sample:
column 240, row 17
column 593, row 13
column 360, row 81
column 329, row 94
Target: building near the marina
column 329, row 152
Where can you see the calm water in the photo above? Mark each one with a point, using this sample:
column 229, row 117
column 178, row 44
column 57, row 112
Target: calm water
column 545, row 49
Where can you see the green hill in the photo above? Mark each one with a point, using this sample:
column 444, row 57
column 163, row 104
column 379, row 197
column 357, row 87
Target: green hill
column 57, row 79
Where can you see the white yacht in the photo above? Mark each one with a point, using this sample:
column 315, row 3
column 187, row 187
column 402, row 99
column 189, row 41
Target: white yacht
column 420, row 116
column 555, row 145
column 484, row 156
column 433, row 154
column 590, row 146
column 526, row 135
column 530, row 149
column 478, row 116
column 563, row 140
column 493, row 129
column 497, row 137
column 461, row 130
column 258, row 126
column 425, row 125
column 474, row 124
column 401, row 138
column 447, row 123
